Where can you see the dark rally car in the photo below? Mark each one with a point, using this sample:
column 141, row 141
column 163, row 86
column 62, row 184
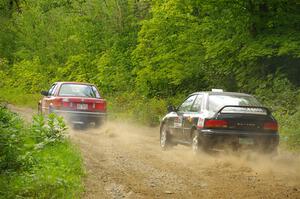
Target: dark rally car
column 79, row 103
column 215, row 119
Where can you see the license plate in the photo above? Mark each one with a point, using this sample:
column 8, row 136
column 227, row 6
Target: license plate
column 82, row 106
column 246, row 141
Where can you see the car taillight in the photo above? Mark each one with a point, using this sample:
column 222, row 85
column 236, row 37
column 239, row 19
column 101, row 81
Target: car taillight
column 66, row 102
column 211, row 123
column 101, row 106
column 271, row 126
column 57, row 102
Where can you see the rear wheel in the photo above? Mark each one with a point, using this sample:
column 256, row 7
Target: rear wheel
column 199, row 142
column 165, row 141
column 98, row 123
column 271, row 150
column 267, row 147
column 80, row 127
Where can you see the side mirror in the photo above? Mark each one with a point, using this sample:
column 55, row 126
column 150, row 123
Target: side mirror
column 171, row 108
column 45, row 93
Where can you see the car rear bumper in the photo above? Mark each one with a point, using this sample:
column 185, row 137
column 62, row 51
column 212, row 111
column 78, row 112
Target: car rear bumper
column 261, row 138
column 80, row 117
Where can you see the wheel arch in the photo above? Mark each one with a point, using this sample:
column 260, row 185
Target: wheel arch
column 164, row 122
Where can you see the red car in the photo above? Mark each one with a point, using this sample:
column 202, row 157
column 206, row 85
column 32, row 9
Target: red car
column 79, row 103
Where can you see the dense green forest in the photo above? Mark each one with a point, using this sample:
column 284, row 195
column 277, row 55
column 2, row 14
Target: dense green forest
column 145, row 54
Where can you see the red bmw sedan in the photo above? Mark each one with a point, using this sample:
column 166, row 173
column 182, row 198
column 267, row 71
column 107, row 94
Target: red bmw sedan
column 79, row 103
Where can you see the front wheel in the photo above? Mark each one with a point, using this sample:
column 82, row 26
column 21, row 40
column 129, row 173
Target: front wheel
column 165, row 141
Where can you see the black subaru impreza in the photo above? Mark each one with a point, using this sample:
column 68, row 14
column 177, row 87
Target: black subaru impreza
column 215, row 119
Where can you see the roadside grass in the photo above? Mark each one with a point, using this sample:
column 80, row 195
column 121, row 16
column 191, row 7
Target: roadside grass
column 18, row 97
column 38, row 160
column 56, row 173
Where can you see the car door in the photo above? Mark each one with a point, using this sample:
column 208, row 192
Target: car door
column 179, row 119
column 191, row 116
column 47, row 99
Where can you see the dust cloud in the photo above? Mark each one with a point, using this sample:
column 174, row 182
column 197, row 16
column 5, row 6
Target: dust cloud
column 134, row 137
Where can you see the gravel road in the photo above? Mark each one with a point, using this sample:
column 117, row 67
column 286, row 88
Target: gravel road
column 125, row 161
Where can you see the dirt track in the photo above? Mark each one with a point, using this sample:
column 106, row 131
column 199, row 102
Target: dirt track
column 125, row 161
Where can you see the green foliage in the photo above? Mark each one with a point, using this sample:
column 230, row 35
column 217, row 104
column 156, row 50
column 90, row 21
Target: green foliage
column 50, row 131
column 12, row 139
column 290, row 132
column 277, row 92
column 19, row 97
column 37, row 161
column 289, row 128
column 24, row 71
column 130, row 106
column 76, row 69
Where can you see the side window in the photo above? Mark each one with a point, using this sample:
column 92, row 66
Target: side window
column 197, row 104
column 52, row 89
column 96, row 92
column 187, row 104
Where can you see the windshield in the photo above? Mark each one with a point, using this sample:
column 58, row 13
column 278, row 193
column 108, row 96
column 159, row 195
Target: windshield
column 78, row 90
column 216, row 102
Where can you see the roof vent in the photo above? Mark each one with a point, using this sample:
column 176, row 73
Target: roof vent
column 216, row 90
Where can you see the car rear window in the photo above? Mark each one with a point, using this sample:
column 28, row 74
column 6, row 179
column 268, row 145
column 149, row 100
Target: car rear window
column 78, row 90
column 216, row 102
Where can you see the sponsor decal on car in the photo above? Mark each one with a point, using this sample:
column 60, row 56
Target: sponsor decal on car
column 200, row 123
column 178, row 122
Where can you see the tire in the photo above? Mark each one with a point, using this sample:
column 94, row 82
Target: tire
column 199, row 142
column 100, row 122
column 272, row 151
column 235, row 147
column 80, row 127
column 267, row 147
column 165, row 140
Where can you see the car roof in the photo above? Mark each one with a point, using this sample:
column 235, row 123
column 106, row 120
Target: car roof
column 74, row 83
column 221, row 93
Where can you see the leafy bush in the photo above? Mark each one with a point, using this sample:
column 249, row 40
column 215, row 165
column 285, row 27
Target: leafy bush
column 37, row 161
column 26, row 70
column 11, row 140
column 289, row 130
column 289, row 126
column 52, row 130
column 277, row 92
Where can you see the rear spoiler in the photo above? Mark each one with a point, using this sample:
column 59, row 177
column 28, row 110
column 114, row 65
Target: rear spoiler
column 246, row 107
